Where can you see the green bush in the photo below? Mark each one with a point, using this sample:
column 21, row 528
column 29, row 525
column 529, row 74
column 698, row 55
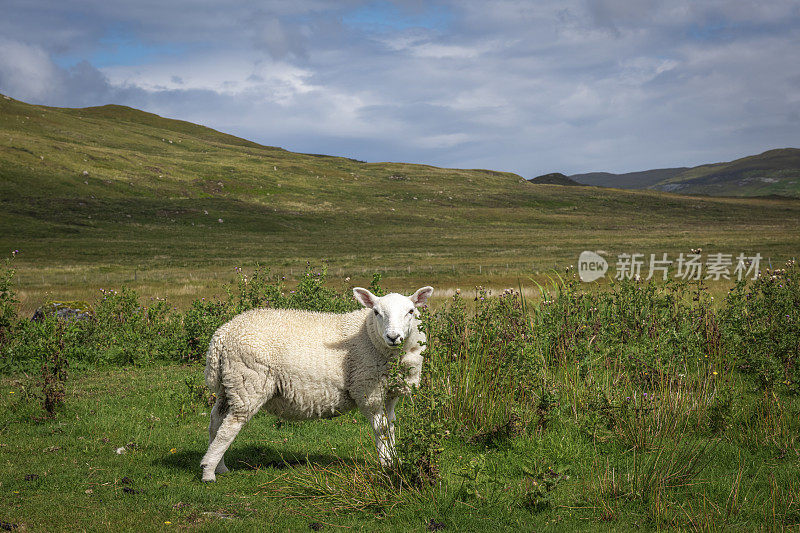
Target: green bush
column 125, row 332
column 200, row 322
column 644, row 328
column 484, row 361
column 33, row 341
column 122, row 331
column 8, row 301
column 761, row 327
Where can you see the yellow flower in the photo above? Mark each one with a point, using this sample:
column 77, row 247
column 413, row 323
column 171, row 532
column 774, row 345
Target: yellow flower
column 11, row 392
column 173, row 450
column 167, row 522
column 714, row 372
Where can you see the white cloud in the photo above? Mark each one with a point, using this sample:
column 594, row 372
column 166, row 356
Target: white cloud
column 25, row 69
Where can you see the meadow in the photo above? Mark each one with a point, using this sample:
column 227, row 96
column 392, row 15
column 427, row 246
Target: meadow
column 103, row 197
column 546, row 403
column 630, row 406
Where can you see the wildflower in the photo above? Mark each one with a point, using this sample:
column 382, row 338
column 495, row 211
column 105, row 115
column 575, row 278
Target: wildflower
column 715, row 372
column 167, row 522
column 173, row 450
column 11, row 392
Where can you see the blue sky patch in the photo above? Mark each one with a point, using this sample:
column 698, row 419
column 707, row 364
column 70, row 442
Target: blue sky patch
column 121, row 49
column 385, row 16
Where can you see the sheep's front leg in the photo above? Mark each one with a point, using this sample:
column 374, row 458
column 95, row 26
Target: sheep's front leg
column 390, row 416
column 380, row 427
column 383, row 427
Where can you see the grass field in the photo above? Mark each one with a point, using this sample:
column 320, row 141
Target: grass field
column 634, row 407
column 606, row 406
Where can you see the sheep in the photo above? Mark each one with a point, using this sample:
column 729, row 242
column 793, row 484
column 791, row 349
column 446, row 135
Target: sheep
column 303, row 365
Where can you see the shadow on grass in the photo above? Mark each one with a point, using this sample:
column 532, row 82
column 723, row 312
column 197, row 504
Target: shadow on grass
column 250, row 458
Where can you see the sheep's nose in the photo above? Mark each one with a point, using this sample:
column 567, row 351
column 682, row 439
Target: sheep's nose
column 394, row 338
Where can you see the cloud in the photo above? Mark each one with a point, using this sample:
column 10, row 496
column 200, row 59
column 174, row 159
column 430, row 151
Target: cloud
column 26, row 70
column 531, row 87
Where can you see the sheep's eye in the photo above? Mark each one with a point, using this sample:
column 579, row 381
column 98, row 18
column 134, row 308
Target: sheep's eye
column 411, row 312
column 376, row 312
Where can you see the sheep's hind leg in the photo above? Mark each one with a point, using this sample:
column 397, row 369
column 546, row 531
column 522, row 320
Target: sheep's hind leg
column 218, row 413
column 226, row 432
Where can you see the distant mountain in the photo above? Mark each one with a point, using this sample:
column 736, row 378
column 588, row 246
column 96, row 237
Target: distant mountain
column 555, row 178
column 775, row 172
column 630, row 180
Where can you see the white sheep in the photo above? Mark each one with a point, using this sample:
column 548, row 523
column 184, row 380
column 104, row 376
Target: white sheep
column 303, row 364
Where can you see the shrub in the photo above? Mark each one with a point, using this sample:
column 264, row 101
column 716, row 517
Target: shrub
column 643, row 329
column 8, row 301
column 421, row 432
column 126, row 332
column 761, row 327
column 54, row 370
column 485, row 363
column 200, row 322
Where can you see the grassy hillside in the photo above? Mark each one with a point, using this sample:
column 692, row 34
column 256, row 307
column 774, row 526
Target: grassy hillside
column 107, row 196
column 775, row 172
column 629, row 180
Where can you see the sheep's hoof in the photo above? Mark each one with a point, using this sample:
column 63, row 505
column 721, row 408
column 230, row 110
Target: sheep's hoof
column 221, row 469
column 208, row 476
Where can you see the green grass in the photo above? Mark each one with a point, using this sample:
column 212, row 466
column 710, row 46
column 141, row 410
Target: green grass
column 80, row 481
column 631, row 407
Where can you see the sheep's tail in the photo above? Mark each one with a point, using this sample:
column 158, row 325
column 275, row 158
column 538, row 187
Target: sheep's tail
column 213, row 357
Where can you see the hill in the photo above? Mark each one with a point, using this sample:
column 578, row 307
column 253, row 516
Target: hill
column 772, row 173
column 629, row 180
column 111, row 195
column 555, row 178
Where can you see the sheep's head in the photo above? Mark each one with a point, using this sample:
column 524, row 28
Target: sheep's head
column 395, row 315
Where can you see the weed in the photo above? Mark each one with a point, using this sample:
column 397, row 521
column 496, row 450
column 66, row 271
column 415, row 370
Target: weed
column 764, row 316
column 54, row 371
column 8, row 300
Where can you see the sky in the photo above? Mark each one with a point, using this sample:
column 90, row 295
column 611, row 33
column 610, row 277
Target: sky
column 530, row 87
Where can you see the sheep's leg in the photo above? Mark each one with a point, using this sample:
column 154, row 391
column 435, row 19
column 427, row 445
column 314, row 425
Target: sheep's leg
column 218, row 413
column 390, row 416
column 382, row 422
column 226, row 432
column 380, row 427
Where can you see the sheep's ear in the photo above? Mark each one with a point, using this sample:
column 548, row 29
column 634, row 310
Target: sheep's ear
column 364, row 297
column 421, row 296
